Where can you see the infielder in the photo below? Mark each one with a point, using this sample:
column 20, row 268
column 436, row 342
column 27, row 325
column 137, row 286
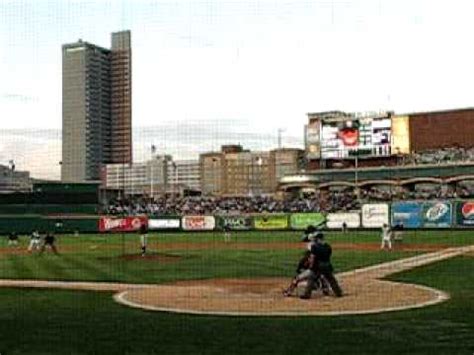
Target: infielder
column 226, row 232
column 386, row 237
column 49, row 241
column 13, row 239
column 35, row 241
column 143, row 238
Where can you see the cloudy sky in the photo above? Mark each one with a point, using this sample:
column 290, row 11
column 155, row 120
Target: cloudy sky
column 218, row 71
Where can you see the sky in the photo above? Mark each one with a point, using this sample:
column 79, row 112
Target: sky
column 233, row 70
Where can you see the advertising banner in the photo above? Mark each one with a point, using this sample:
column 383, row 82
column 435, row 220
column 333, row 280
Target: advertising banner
column 165, row 223
column 121, row 224
column 335, row 220
column 375, row 215
column 437, row 214
column 409, row 214
column 465, row 213
column 271, row 222
column 235, row 222
column 198, row 223
column 300, row 221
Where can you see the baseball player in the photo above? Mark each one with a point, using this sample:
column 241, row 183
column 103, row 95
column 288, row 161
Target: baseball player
column 386, row 237
column 320, row 264
column 398, row 232
column 35, row 241
column 308, row 232
column 143, row 238
column 13, row 239
column 226, row 228
column 49, row 241
column 303, row 273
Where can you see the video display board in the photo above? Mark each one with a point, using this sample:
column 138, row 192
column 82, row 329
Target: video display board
column 364, row 136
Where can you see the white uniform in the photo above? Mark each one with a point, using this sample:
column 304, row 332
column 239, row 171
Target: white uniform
column 143, row 242
column 35, row 242
column 386, row 238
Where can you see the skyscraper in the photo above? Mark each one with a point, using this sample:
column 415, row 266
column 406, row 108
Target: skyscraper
column 97, row 115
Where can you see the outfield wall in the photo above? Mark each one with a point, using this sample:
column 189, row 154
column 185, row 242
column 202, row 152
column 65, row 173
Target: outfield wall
column 412, row 214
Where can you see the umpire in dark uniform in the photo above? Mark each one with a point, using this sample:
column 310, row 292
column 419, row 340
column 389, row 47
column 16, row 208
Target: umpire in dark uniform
column 320, row 265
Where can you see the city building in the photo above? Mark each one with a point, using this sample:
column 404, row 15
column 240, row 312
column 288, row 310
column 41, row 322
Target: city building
column 235, row 171
column 96, row 107
column 155, row 177
column 183, row 177
column 12, row 180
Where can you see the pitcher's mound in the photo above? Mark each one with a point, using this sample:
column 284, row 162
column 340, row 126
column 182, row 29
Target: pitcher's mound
column 263, row 297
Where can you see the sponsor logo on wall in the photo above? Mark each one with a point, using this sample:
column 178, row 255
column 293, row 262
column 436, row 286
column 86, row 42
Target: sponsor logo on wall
column 126, row 224
column 437, row 214
column 409, row 214
column 198, row 223
column 335, row 220
column 375, row 215
column 465, row 213
column 172, row 223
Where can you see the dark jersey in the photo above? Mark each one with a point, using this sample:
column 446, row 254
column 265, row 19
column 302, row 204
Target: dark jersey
column 49, row 239
column 13, row 236
column 322, row 253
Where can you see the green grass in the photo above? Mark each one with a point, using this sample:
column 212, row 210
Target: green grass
column 67, row 322
column 98, row 258
column 79, row 322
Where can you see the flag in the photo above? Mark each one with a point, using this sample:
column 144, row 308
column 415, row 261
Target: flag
column 153, row 149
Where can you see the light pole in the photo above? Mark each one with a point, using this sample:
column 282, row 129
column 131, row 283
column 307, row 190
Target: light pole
column 153, row 151
column 12, row 170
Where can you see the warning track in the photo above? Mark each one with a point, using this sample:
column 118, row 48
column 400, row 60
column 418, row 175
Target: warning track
column 365, row 292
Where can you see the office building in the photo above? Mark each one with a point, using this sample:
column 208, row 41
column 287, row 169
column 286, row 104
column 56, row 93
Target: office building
column 96, row 107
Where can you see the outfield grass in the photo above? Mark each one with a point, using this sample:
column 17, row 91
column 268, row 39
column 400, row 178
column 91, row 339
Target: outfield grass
column 99, row 258
column 79, row 322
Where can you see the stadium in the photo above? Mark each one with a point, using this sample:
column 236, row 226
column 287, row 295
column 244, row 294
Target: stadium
column 250, row 206
column 192, row 273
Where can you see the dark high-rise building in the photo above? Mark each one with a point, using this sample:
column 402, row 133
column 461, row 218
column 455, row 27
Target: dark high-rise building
column 97, row 115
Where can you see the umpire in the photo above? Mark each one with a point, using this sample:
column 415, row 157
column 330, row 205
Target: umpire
column 320, row 264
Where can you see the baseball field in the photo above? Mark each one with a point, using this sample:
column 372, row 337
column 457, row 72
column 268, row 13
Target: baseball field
column 194, row 293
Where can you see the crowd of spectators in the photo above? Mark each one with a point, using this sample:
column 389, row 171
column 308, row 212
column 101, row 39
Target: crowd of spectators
column 421, row 192
column 320, row 201
column 440, row 156
column 346, row 199
column 199, row 205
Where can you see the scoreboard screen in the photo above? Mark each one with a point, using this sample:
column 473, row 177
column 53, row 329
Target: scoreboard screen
column 362, row 137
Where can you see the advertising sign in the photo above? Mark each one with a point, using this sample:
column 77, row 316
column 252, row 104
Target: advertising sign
column 409, row 214
column 271, row 222
column 121, row 224
column 465, row 213
column 168, row 223
column 335, row 220
column 235, row 222
column 198, row 223
column 302, row 220
column 437, row 214
column 375, row 215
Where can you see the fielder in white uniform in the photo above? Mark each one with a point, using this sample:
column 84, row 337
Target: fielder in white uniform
column 35, row 241
column 386, row 237
column 143, row 238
